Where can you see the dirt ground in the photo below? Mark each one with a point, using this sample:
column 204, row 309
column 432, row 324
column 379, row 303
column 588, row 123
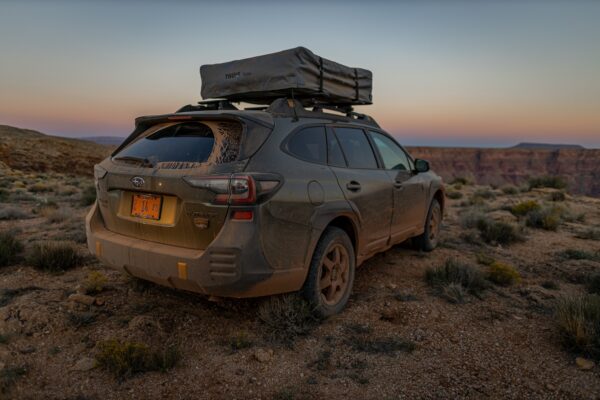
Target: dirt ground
column 505, row 344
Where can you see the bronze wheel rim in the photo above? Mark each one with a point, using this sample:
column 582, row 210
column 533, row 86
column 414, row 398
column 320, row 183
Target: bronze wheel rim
column 335, row 274
column 434, row 224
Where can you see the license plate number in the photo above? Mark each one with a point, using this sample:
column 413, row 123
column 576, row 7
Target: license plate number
column 146, row 206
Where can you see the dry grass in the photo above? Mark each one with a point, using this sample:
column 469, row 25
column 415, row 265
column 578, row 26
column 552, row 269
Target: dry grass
column 286, row 318
column 10, row 247
column 124, row 359
column 471, row 279
column 54, row 256
column 578, row 318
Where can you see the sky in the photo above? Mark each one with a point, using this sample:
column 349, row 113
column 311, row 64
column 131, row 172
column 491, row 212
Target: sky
column 446, row 73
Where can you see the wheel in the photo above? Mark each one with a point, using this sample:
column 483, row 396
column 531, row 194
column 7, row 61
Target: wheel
column 331, row 273
column 430, row 237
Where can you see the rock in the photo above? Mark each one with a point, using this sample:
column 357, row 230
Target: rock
column 263, row 355
column 80, row 289
column 99, row 302
column 27, row 350
column 584, row 364
column 84, row 364
column 82, row 299
column 392, row 286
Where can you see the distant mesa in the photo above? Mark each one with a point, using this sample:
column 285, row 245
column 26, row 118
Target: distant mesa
column 547, row 146
column 105, row 140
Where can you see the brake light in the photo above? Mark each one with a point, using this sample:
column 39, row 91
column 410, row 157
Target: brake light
column 235, row 189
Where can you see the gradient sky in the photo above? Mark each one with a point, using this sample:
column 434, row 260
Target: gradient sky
column 476, row 73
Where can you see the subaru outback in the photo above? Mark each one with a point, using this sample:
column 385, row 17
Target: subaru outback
column 257, row 202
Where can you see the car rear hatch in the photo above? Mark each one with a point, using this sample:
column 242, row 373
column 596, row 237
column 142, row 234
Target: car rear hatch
column 168, row 183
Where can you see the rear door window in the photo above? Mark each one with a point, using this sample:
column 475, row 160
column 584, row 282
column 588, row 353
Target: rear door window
column 356, row 147
column 189, row 143
column 335, row 157
column 309, row 144
column 392, row 155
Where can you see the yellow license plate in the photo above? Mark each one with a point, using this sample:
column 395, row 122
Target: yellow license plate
column 146, row 206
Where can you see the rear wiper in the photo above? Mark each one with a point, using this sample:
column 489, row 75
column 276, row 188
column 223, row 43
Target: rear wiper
column 140, row 160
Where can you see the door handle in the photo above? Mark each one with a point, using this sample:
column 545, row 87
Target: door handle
column 398, row 184
column 353, row 186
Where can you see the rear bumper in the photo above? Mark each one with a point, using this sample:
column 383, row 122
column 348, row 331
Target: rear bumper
column 232, row 266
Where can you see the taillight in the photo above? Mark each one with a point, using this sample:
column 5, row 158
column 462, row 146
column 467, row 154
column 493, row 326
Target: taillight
column 235, row 189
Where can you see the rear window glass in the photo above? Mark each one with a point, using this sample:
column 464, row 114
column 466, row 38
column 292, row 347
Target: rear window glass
column 309, row 144
column 190, row 143
column 356, row 147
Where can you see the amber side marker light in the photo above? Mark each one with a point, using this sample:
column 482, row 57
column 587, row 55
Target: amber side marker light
column 243, row 215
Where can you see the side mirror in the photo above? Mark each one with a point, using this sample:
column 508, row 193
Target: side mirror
column 421, row 165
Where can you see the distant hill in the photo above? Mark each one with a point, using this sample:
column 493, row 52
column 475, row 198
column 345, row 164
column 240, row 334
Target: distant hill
column 105, row 140
column 29, row 150
column 546, row 146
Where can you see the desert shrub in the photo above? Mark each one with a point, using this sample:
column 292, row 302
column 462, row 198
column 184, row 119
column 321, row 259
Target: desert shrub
column 57, row 216
column 9, row 213
column 550, row 285
column 503, row 274
column 67, row 190
column 455, row 272
column 88, row 196
column 239, row 341
column 54, row 256
column 484, row 259
column 40, row 187
column 547, row 218
column 589, row 234
column 525, row 207
column 454, row 293
column 4, row 194
column 593, row 284
column 79, row 319
column 486, row 194
column 286, row 318
column 454, row 195
column 578, row 318
column 95, row 282
column 557, row 196
column 555, row 182
column 124, row 359
column 459, row 181
column 457, row 186
column 498, row 232
column 389, row 345
column 10, row 247
column 509, row 189
column 8, row 377
column 470, row 219
column 576, row 254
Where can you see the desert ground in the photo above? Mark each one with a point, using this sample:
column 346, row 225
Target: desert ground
column 504, row 308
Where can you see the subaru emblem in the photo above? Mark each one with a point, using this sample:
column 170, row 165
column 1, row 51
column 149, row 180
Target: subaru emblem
column 138, row 181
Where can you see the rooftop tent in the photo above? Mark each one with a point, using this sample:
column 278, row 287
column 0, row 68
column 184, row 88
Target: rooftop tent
column 298, row 72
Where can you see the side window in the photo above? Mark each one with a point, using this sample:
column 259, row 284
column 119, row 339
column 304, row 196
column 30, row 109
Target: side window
column 335, row 156
column 309, row 144
column 392, row 155
column 356, row 147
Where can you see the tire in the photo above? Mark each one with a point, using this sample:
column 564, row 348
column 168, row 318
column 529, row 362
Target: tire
column 335, row 247
column 431, row 235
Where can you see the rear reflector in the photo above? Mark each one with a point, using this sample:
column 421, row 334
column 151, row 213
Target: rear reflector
column 243, row 215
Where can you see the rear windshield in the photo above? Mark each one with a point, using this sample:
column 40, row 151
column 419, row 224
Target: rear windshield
column 190, row 143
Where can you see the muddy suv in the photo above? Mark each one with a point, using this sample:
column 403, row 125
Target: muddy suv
column 243, row 203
